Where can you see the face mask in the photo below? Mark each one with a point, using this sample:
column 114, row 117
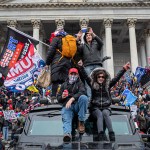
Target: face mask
column 73, row 78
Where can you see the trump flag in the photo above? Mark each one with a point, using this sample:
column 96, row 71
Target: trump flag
column 24, row 72
column 15, row 48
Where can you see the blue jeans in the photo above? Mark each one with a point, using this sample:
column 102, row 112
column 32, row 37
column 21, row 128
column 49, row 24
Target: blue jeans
column 88, row 70
column 5, row 133
column 79, row 108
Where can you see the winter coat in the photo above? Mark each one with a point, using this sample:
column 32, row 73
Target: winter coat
column 142, row 122
column 101, row 97
column 59, row 69
column 91, row 54
column 1, row 123
column 75, row 90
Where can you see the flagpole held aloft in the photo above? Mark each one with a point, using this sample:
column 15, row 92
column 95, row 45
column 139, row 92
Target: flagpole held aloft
column 28, row 36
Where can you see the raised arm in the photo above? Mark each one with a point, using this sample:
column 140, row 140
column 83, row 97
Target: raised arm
column 99, row 41
column 84, row 74
column 119, row 75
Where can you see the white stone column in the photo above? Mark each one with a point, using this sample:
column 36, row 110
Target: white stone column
column 2, row 38
column 36, row 30
column 84, row 22
column 147, row 39
column 60, row 23
column 12, row 23
column 104, row 50
column 41, row 46
column 139, row 53
column 133, row 46
column 142, row 53
column 109, row 50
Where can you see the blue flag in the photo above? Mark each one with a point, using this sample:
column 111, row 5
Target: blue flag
column 130, row 97
column 139, row 73
column 128, row 78
column 126, row 92
column 145, row 80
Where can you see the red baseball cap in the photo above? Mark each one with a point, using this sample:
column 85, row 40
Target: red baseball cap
column 73, row 70
column 1, row 113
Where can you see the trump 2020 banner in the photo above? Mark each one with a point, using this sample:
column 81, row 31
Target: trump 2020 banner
column 24, row 72
column 15, row 48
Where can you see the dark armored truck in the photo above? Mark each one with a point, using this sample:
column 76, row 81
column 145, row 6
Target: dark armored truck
column 43, row 131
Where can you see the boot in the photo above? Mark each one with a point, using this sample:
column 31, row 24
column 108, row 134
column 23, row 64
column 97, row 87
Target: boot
column 67, row 138
column 112, row 136
column 101, row 136
column 81, row 127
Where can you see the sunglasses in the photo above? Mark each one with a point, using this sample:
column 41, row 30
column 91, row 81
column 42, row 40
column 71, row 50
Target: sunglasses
column 101, row 77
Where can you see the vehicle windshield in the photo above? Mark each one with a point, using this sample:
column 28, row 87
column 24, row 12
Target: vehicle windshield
column 47, row 125
column 121, row 125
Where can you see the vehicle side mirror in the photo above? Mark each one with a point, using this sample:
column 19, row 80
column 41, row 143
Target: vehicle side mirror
column 146, row 137
column 115, row 100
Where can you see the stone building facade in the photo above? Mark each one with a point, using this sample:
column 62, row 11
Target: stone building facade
column 124, row 25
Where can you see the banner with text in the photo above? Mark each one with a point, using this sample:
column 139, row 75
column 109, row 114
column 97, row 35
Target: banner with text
column 9, row 115
column 15, row 48
column 24, row 72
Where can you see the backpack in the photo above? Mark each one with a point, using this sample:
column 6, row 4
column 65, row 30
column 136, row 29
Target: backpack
column 69, row 47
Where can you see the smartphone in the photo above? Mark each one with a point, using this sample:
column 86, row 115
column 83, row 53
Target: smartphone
column 84, row 30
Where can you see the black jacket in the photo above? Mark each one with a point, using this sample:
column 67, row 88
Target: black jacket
column 75, row 90
column 101, row 93
column 91, row 54
column 59, row 69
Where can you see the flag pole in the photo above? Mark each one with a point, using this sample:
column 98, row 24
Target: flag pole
column 28, row 36
column 43, row 43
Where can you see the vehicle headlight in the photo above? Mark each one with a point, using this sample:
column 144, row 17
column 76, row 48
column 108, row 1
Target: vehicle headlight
column 126, row 147
column 130, row 146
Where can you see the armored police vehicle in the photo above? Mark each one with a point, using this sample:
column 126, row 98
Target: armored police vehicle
column 43, row 131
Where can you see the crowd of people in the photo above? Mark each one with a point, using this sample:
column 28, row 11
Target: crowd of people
column 23, row 102
column 14, row 108
column 142, row 116
column 78, row 85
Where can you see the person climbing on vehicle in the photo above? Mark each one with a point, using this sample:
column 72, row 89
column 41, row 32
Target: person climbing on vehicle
column 62, row 49
column 100, row 83
column 72, row 96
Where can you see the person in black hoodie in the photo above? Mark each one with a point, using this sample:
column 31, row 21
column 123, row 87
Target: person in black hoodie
column 72, row 96
column 59, row 67
column 100, row 83
column 90, row 53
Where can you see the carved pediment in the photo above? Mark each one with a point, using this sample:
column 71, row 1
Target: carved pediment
column 23, row 1
column 5, row 1
column 66, row 1
column 71, row 4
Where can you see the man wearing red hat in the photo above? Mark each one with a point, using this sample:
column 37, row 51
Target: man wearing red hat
column 72, row 96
